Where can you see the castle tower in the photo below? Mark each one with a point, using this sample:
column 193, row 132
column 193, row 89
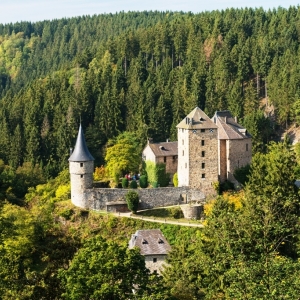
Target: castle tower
column 198, row 152
column 81, row 167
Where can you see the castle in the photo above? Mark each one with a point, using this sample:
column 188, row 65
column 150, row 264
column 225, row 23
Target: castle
column 208, row 151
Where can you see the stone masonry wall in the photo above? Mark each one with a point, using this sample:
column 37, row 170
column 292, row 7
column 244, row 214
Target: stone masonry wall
column 203, row 160
column 155, row 263
column 240, row 154
column 171, row 164
column 97, row 199
column 222, row 160
column 81, row 175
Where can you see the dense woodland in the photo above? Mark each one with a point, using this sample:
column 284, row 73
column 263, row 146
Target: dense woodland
column 129, row 77
column 141, row 72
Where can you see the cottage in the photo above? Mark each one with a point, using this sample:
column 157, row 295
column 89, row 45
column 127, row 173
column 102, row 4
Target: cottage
column 165, row 152
column 154, row 247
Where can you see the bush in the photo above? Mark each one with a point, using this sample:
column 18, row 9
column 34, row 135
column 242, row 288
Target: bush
column 133, row 184
column 124, row 183
column 175, row 180
column 176, row 213
column 226, row 186
column 132, row 199
column 242, row 174
column 143, row 181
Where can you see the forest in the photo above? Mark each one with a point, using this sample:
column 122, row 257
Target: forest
column 137, row 74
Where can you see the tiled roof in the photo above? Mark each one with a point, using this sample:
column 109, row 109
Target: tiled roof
column 164, row 149
column 229, row 129
column 150, row 241
column 81, row 152
column 197, row 119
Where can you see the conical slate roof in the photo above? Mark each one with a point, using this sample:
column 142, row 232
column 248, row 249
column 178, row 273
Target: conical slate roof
column 81, row 152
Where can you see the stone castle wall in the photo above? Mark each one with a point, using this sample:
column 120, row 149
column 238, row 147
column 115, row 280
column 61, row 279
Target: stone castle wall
column 240, row 154
column 222, row 161
column 107, row 199
column 203, row 160
column 171, row 164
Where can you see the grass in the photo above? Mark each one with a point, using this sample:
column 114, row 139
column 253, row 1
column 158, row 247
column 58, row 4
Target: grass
column 173, row 213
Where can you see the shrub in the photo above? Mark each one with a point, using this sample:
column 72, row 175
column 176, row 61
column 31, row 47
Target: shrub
column 133, row 184
column 124, row 183
column 132, row 199
column 143, row 181
column 176, row 213
column 175, row 180
column 242, row 174
column 226, row 186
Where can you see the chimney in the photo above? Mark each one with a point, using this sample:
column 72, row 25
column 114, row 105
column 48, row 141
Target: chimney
column 235, row 119
column 71, row 151
column 168, row 140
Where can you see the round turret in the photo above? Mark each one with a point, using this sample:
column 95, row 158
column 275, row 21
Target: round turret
column 81, row 167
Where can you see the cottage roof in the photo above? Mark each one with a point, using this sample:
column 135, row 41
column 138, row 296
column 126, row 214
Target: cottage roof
column 81, row 152
column 164, row 148
column 229, row 129
column 197, row 119
column 150, row 242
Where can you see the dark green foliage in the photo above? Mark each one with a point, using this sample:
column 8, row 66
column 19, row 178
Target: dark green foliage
column 124, row 183
column 242, row 174
column 132, row 199
column 143, row 181
column 226, row 186
column 133, row 184
column 143, row 78
column 104, row 270
column 176, row 213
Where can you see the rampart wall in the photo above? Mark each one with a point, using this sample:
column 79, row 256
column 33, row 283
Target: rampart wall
column 102, row 198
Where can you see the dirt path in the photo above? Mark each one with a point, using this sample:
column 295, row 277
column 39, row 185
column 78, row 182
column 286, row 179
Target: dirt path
column 152, row 219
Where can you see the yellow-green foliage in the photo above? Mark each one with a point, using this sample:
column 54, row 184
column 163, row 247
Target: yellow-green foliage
column 100, row 174
column 235, row 198
column 175, row 180
column 63, row 192
column 18, row 233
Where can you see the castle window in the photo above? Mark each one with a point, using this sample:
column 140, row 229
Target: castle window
column 182, row 142
column 165, row 159
column 203, row 175
column 81, row 165
column 185, row 165
column 203, row 165
column 203, row 153
column 182, row 152
column 81, row 176
column 246, row 147
column 154, row 259
column 202, row 130
column 202, row 143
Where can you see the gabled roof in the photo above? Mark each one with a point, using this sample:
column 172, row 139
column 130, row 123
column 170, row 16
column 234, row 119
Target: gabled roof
column 229, row 129
column 150, row 242
column 164, row 148
column 197, row 119
column 81, row 152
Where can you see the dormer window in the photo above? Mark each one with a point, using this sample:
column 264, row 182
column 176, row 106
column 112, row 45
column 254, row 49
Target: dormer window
column 144, row 241
column 160, row 241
